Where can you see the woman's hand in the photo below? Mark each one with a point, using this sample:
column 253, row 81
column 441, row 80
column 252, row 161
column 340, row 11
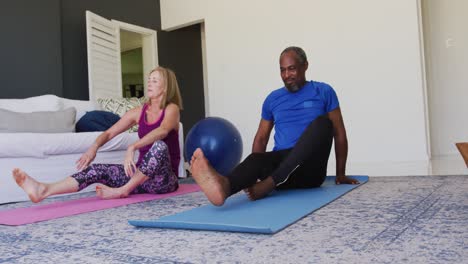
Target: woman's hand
column 129, row 164
column 86, row 158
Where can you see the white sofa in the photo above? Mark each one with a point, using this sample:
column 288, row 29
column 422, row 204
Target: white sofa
column 50, row 157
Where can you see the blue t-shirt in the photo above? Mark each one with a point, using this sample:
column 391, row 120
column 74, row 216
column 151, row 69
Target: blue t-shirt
column 293, row 112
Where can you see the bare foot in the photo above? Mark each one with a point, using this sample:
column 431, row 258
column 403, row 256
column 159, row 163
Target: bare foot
column 106, row 192
column 33, row 188
column 214, row 185
column 463, row 148
column 260, row 189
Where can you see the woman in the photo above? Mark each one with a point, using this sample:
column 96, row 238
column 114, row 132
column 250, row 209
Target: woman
column 158, row 146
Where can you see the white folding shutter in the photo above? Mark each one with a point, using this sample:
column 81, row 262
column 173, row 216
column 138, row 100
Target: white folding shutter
column 104, row 68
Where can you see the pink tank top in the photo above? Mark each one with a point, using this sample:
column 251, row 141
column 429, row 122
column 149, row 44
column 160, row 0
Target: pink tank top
column 171, row 140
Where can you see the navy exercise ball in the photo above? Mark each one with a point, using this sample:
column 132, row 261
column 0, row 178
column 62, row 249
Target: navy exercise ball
column 220, row 141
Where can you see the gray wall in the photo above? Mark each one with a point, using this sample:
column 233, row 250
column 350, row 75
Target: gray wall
column 180, row 50
column 43, row 48
column 30, row 49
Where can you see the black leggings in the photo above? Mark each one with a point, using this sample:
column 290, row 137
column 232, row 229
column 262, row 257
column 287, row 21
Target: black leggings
column 303, row 166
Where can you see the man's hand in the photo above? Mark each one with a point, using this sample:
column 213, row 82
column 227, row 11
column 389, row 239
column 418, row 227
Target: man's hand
column 345, row 180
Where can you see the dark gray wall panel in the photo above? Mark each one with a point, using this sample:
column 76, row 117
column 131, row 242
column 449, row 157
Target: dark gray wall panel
column 30, row 50
column 180, row 50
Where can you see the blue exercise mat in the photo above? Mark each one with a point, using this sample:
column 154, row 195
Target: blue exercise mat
column 268, row 215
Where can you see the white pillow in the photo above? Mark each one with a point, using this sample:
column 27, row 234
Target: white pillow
column 41, row 103
column 120, row 106
column 81, row 106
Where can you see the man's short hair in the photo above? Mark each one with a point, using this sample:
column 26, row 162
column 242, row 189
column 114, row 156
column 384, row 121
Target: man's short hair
column 301, row 55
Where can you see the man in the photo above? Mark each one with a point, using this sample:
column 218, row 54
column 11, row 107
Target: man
column 307, row 117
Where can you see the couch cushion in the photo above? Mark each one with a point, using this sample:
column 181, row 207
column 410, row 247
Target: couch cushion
column 64, row 143
column 96, row 121
column 38, row 122
column 120, row 106
column 46, row 102
column 81, row 106
column 41, row 145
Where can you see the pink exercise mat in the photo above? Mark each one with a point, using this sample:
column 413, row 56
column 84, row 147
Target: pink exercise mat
column 38, row 213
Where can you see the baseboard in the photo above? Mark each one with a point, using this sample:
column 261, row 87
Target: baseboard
column 447, row 165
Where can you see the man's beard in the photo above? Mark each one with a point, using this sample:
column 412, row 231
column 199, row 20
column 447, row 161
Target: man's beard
column 292, row 88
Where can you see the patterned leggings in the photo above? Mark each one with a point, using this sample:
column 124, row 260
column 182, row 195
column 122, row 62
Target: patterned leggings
column 156, row 164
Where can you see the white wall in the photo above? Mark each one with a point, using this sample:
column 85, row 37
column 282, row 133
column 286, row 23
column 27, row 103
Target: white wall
column 447, row 63
column 368, row 50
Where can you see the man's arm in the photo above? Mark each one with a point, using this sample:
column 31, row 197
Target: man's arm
column 262, row 136
column 341, row 147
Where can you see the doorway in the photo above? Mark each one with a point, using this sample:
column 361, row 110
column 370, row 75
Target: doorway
column 131, row 53
column 446, row 61
column 182, row 51
column 114, row 50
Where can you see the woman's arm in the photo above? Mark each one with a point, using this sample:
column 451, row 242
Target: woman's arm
column 127, row 121
column 169, row 123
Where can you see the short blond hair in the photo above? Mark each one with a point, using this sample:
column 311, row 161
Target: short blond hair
column 172, row 94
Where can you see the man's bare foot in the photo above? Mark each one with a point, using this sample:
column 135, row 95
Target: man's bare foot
column 214, row 185
column 463, row 148
column 106, row 192
column 260, row 189
column 34, row 189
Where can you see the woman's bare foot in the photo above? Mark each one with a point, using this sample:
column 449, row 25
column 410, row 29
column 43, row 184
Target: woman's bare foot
column 34, row 189
column 214, row 185
column 106, row 192
column 260, row 189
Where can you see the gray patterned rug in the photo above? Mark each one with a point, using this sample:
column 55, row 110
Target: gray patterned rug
column 388, row 220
